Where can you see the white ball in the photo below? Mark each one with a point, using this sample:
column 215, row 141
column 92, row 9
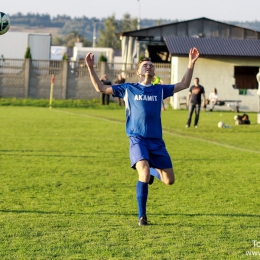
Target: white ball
column 221, row 124
column 4, row 23
column 235, row 117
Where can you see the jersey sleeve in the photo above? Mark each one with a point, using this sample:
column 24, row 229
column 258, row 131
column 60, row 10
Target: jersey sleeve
column 167, row 91
column 119, row 90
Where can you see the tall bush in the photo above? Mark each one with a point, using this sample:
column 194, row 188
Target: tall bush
column 28, row 54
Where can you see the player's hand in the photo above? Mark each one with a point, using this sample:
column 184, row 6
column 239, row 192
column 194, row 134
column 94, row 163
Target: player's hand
column 194, row 55
column 89, row 60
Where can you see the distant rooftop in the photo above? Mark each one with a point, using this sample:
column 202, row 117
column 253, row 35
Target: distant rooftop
column 213, row 46
column 200, row 27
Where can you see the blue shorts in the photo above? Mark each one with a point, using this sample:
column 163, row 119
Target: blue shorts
column 151, row 149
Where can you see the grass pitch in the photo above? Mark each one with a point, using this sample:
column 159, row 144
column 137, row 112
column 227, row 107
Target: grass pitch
column 68, row 192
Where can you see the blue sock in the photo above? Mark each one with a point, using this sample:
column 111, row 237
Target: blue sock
column 155, row 173
column 141, row 196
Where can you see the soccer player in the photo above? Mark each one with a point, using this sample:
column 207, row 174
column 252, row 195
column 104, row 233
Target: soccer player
column 143, row 101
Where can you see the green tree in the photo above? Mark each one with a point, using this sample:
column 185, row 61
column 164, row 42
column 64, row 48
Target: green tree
column 58, row 41
column 108, row 37
column 73, row 37
column 128, row 24
column 102, row 57
column 65, row 56
column 28, row 54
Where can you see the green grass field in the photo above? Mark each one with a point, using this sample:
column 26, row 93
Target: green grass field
column 67, row 190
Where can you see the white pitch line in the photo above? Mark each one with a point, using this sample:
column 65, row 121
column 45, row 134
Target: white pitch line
column 213, row 142
column 95, row 117
column 166, row 132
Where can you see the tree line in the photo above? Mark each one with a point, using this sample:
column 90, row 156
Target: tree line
column 82, row 27
column 71, row 29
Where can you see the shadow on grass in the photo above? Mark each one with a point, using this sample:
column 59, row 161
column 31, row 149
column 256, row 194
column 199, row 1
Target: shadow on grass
column 52, row 155
column 34, row 153
column 131, row 214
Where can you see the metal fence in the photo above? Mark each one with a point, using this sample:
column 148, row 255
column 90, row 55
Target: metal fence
column 32, row 78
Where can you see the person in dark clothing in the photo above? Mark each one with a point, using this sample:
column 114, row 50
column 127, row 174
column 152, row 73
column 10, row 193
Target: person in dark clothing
column 105, row 97
column 120, row 80
column 194, row 101
column 242, row 120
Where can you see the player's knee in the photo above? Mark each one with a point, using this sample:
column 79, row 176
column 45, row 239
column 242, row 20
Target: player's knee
column 169, row 182
column 144, row 177
column 169, row 178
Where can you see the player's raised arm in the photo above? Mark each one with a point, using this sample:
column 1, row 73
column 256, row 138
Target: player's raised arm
column 185, row 82
column 98, row 85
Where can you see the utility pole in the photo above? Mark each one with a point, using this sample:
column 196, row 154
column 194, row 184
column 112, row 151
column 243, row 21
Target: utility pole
column 138, row 28
column 138, row 19
column 94, row 34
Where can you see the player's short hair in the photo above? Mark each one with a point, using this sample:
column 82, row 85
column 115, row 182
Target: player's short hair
column 142, row 60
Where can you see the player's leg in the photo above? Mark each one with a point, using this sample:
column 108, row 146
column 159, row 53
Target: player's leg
column 154, row 173
column 161, row 161
column 139, row 156
column 197, row 112
column 143, row 170
column 167, row 176
column 191, row 109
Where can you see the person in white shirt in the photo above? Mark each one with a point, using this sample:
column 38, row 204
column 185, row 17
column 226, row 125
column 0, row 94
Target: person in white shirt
column 213, row 98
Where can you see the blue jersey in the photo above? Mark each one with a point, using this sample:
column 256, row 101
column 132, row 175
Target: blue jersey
column 143, row 107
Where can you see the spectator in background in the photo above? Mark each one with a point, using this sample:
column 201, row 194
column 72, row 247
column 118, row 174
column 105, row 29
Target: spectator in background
column 242, row 120
column 157, row 80
column 120, row 80
column 194, row 101
column 213, row 98
column 105, row 97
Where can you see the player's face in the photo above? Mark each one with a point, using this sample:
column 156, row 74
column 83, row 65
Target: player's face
column 146, row 68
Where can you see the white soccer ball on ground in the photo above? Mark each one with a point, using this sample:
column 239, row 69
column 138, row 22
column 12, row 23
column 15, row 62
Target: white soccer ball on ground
column 221, row 124
column 235, row 117
column 4, row 23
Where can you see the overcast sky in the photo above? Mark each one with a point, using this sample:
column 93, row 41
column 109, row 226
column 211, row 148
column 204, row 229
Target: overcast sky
column 221, row 10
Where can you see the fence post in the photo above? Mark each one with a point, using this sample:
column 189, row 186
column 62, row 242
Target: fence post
column 102, row 68
column 51, row 90
column 64, row 79
column 27, row 77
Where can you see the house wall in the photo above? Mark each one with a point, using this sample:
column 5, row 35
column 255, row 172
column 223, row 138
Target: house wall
column 14, row 44
column 80, row 52
column 218, row 73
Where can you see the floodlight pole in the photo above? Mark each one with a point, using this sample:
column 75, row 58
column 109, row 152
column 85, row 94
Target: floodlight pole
column 94, row 35
column 138, row 28
column 138, row 19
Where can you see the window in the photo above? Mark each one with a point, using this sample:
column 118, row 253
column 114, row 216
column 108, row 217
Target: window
column 242, row 91
column 245, row 78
